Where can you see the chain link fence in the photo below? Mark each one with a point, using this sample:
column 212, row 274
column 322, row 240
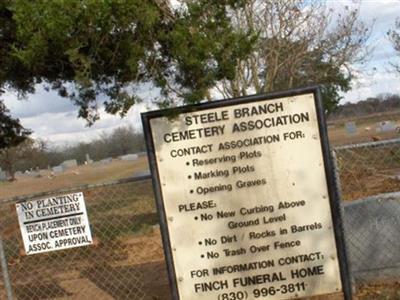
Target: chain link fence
column 368, row 169
column 126, row 259
column 369, row 177
column 372, row 227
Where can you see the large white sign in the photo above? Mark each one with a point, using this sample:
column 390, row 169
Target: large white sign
column 245, row 197
column 54, row 223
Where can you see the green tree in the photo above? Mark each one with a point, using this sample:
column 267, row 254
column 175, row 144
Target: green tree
column 28, row 153
column 12, row 133
column 89, row 50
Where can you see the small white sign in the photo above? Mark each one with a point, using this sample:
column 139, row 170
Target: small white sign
column 54, row 223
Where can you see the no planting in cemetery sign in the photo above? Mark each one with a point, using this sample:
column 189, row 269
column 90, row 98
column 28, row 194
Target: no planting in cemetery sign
column 246, row 198
column 54, row 223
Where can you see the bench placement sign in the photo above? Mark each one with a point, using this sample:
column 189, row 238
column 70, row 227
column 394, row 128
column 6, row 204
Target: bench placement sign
column 246, row 198
column 54, row 223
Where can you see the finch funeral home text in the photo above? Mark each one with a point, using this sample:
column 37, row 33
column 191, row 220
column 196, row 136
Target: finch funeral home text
column 54, row 223
column 246, row 199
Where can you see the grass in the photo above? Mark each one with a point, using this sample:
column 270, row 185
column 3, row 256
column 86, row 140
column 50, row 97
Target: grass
column 338, row 135
column 74, row 177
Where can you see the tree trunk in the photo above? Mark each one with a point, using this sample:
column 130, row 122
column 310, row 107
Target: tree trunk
column 9, row 167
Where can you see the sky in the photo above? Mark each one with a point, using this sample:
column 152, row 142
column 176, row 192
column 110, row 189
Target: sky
column 377, row 77
column 54, row 119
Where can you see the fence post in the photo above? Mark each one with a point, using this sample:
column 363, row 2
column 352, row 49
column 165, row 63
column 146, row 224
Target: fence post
column 337, row 174
column 4, row 268
column 339, row 193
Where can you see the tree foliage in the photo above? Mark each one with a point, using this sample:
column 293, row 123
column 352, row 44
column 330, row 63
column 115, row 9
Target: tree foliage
column 89, row 50
column 300, row 43
column 12, row 133
column 33, row 154
column 382, row 103
column 25, row 152
column 394, row 36
column 103, row 53
column 120, row 141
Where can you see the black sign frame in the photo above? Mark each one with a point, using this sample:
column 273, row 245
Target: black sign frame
column 328, row 163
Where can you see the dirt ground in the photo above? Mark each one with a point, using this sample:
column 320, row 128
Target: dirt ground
column 73, row 177
column 144, row 267
column 369, row 185
column 366, row 129
column 155, row 261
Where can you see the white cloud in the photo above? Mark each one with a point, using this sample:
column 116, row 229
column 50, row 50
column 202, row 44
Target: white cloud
column 55, row 119
column 36, row 104
column 65, row 128
column 377, row 75
column 370, row 85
